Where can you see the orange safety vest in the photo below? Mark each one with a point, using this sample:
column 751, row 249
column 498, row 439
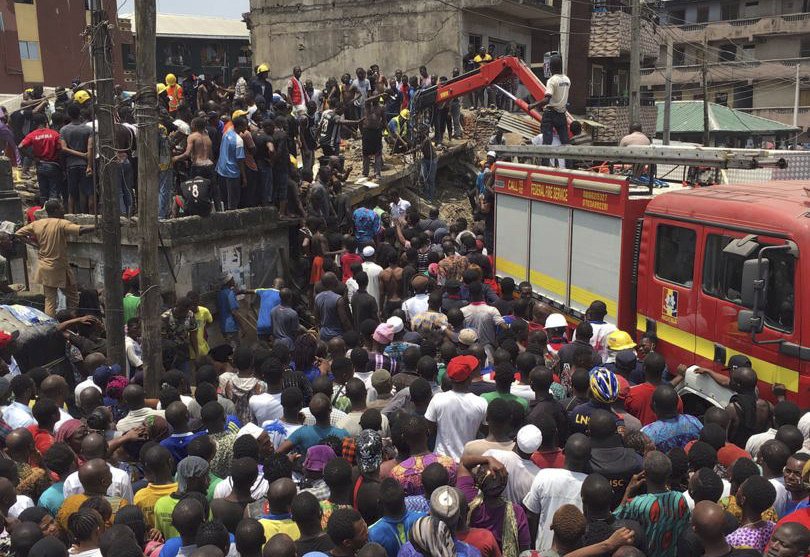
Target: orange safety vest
column 175, row 94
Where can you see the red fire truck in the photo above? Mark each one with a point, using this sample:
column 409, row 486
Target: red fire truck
column 712, row 271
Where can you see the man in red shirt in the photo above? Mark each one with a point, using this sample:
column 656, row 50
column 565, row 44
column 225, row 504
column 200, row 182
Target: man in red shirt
column 639, row 400
column 43, row 145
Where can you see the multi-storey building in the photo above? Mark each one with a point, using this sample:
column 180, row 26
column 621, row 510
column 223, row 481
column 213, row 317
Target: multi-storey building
column 750, row 49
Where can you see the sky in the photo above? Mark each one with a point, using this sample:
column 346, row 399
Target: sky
column 219, row 8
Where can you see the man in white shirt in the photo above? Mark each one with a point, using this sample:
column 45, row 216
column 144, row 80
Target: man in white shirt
column 89, row 365
column 418, row 303
column 457, row 414
column 785, row 412
column 95, row 446
column 18, row 413
column 135, row 399
column 555, row 487
column 595, row 314
column 399, row 207
column 518, row 463
column 373, row 271
column 267, row 406
column 133, row 346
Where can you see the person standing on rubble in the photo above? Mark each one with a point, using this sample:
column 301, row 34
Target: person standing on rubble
column 554, row 104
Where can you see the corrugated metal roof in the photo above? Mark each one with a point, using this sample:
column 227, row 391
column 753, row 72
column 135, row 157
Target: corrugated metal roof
column 687, row 117
column 178, row 25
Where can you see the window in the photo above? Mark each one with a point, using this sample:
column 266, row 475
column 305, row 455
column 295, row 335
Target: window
column 677, row 17
column 730, row 11
column 675, row 254
column 749, row 52
column 128, row 56
column 213, row 54
column 702, row 14
column 721, row 98
column 475, row 41
column 722, row 278
column 29, row 50
column 23, row 1
column 597, row 81
column 2, row 24
column 804, row 48
column 728, row 52
column 678, row 56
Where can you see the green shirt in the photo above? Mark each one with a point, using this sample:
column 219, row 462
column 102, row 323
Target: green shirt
column 213, row 481
column 131, row 305
column 489, row 397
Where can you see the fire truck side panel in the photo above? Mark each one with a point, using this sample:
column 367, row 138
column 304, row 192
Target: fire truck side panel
column 595, row 255
column 550, row 250
column 512, row 224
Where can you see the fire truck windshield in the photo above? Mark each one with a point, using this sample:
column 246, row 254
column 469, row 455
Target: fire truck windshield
column 722, row 278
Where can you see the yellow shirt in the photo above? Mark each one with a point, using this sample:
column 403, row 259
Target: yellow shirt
column 52, row 238
column 204, row 318
column 280, row 526
column 146, row 498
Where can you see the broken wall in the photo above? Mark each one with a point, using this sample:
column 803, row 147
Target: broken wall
column 195, row 252
column 329, row 37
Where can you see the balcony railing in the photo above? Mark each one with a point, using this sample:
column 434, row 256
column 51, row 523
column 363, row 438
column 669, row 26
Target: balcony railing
column 724, row 30
column 603, row 102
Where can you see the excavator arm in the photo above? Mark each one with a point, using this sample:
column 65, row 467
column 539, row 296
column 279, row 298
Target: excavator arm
column 485, row 76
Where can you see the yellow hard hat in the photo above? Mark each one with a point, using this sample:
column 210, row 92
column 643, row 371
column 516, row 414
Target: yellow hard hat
column 405, row 113
column 161, row 87
column 81, row 96
column 620, row 340
column 262, row 68
column 237, row 113
column 29, row 90
column 293, row 160
column 171, row 79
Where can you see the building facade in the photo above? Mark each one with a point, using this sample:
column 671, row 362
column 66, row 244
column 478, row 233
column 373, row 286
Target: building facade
column 329, row 37
column 608, row 85
column 211, row 46
column 42, row 43
column 751, row 49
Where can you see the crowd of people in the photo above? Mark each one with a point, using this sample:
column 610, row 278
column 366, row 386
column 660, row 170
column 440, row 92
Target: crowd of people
column 408, row 404
column 403, row 402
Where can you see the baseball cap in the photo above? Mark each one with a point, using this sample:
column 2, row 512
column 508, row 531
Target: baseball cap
column 626, row 360
column 738, row 360
column 529, row 438
column 396, row 324
column 368, row 251
column 380, row 378
column 318, row 457
column 460, row 368
column 468, row 337
column 384, row 333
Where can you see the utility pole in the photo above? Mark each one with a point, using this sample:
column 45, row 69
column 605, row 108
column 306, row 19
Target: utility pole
column 704, row 73
column 107, row 166
column 565, row 32
column 668, row 93
column 146, row 116
column 635, row 61
column 796, row 95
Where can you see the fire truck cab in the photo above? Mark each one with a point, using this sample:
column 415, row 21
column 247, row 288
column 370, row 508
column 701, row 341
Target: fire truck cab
column 713, row 271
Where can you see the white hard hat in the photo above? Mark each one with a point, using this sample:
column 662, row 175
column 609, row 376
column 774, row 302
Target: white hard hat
column 556, row 320
column 492, row 154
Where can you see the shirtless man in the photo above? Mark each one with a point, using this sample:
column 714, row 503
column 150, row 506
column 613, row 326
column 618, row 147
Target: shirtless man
column 198, row 150
column 391, row 286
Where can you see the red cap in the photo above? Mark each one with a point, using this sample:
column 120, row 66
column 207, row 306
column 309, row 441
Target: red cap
column 130, row 274
column 5, row 339
column 460, row 368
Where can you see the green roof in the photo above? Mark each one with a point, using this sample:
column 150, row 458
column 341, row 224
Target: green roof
column 687, row 117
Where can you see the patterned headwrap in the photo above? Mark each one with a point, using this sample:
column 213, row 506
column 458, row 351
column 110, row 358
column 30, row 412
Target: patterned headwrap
column 369, row 451
column 157, row 428
column 431, row 536
column 67, row 429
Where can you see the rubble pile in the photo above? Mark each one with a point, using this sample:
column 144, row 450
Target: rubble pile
column 26, row 185
column 479, row 126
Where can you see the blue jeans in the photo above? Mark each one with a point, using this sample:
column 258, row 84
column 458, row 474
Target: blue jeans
column 165, row 189
column 428, row 168
column 265, row 184
column 51, row 181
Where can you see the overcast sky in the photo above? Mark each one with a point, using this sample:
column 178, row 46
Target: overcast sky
column 221, row 8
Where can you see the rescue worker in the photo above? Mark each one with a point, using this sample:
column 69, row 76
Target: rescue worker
column 174, row 93
column 81, row 96
column 260, row 85
column 296, row 93
column 397, row 127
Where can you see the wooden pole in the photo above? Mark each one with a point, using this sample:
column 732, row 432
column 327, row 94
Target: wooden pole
column 668, row 93
column 146, row 115
column 107, row 167
column 635, row 62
